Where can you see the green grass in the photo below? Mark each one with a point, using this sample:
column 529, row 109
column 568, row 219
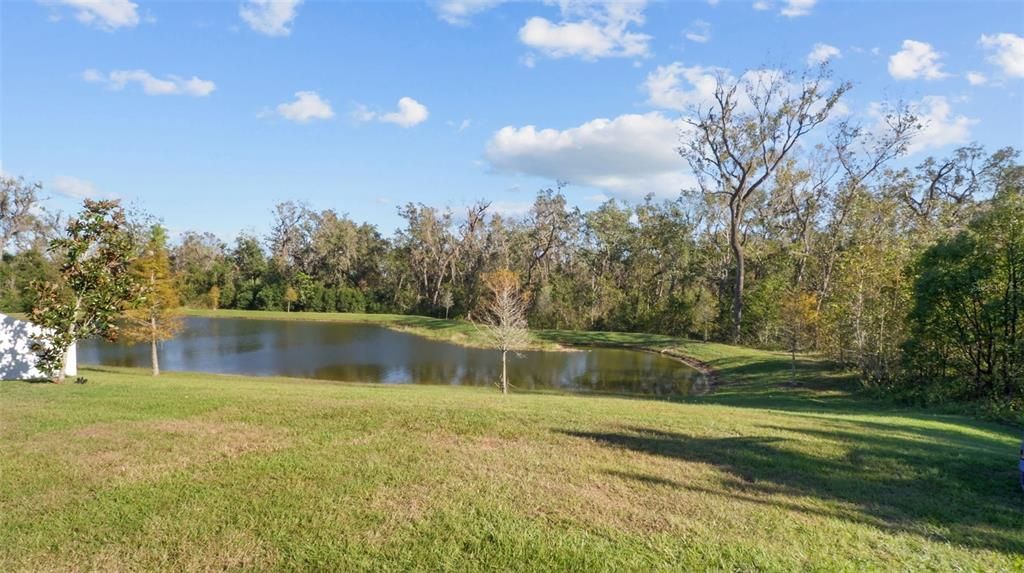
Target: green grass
column 204, row 472
column 457, row 331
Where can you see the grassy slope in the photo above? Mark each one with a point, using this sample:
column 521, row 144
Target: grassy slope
column 191, row 472
column 458, row 331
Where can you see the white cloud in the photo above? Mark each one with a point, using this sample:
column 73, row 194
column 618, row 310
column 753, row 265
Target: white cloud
column 789, row 9
column 1007, row 52
column 361, row 113
column 678, row 87
column 409, row 113
column 307, row 107
column 74, row 188
column 976, row 78
column 589, row 31
column 104, row 14
column 916, row 60
column 941, row 126
column 150, row 84
column 699, row 31
column 681, row 88
column 822, row 53
column 460, row 126
column 459, row 12
column 630, row 155
column 795, row 8
column 597, row 198
column 270, row 17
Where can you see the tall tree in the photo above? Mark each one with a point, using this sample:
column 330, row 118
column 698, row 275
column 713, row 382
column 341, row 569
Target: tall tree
column 739, row 140
column 967, row 323
column 199, row 262
column 95, row 286
column 154, row 318
column 18, row 202
column 289, row 237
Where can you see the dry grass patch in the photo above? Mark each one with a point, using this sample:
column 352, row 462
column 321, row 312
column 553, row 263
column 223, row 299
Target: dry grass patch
column 134, row 451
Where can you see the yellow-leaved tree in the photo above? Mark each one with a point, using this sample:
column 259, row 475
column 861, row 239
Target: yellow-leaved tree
column 155, row 317
column 800, row 321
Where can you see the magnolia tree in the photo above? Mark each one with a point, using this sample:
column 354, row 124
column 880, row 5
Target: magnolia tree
column 505, row 317
column 154, row 316
column 95, row 283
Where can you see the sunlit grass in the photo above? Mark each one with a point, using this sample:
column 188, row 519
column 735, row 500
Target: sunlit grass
column 205, row 472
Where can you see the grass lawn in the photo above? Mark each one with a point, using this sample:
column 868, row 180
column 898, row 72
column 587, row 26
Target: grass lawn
column 206, row 472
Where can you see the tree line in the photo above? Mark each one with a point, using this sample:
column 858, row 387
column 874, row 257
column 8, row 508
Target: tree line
column 803, row 232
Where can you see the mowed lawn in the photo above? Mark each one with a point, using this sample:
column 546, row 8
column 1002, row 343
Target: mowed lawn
column 192, row 472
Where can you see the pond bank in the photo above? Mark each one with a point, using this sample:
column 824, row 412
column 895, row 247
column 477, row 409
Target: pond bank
column 719, row 363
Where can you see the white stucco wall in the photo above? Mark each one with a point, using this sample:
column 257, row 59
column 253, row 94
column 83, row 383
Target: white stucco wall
column 17, row 361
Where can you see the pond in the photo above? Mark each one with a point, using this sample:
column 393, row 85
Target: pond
column 369, row 353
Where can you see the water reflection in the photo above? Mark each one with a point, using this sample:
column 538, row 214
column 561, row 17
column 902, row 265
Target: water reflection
column 367, row 353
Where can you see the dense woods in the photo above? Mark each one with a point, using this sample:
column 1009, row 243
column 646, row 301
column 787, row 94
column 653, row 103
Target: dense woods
column 803, row 232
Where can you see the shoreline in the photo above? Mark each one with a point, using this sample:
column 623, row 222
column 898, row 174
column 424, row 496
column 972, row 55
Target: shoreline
column 466, row 334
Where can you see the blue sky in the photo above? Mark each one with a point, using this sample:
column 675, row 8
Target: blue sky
column 208, row 113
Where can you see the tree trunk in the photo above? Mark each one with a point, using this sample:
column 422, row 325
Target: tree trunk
column 793, row 365
column 64, row 357
column 737, row 291
column 63, row 366
column 152, row 346
column 504, row 374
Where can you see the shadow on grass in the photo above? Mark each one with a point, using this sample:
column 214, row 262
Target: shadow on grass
column 938, row 484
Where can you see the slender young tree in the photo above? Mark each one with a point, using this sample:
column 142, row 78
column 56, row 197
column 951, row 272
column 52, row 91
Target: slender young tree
column 213, row 297
column 505, row 317
column 447, row 301
column 290, row 296
column 800, row 318
column 154, row 318
column 95, row 286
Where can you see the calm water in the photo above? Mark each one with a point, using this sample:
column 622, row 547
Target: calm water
column 367, row 353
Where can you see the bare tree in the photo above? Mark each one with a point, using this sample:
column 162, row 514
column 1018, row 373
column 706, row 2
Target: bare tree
column 289, row 236
column 739, row 140
column 18, row 200
column 505, row 317
column 447, row 301
column 861, row 154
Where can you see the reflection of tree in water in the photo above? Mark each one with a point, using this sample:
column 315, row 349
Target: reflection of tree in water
column 634, row 372
column 351, row 373
column 370, row 353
